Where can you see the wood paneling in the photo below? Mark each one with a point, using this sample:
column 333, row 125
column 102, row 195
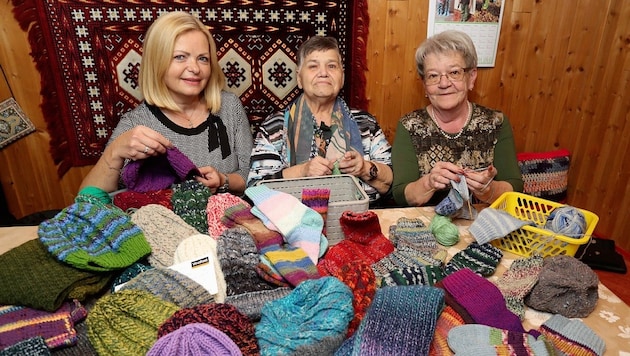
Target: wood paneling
column 562, row 76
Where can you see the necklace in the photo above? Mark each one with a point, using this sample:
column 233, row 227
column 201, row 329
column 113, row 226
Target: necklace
column 182, row 115
column 447, row 135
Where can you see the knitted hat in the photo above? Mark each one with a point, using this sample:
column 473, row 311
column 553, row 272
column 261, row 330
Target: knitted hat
column 400, row 321
column 190, row 199
column 251, row 303
column 126, row 323
column 129, row 272
column 158, row 172
column 195, row 340
column 163, row 230
column 171, row 286
column 215, row 210
column 35, row 346
column 315, row 312
column 30, row 276
column 481, row 259
column 93, row 237
column 359, row 277
column 224, row 317
column 193, row 248
column 572, row 337
column 128, row 200
column 481, row 299
column 18, row 323
column 574, row 297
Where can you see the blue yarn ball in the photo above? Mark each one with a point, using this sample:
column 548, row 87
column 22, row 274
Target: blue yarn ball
column 567, row 221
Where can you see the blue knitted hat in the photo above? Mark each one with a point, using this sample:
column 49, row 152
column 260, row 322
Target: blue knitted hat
column 315, row 312
column 94, row 237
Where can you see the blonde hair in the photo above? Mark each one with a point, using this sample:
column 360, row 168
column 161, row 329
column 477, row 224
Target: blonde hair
column 445, row 42
column 159, row 43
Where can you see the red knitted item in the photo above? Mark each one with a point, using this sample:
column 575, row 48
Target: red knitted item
column 134, row 200
column 217, row 205
column 360, row 278
column 448, row 319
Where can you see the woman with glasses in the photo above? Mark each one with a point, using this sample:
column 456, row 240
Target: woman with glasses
column 452, row 139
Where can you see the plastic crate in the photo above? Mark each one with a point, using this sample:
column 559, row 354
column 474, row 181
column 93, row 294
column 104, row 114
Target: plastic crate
column 345, row 194
column 531, row 239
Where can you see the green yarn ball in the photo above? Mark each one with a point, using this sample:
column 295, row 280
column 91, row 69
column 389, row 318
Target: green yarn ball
column 446, row 233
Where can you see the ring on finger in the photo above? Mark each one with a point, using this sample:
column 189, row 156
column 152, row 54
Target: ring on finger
column 146, row 149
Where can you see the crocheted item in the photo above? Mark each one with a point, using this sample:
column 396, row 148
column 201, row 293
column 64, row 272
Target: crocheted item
column 316, row 311
column 448, row 319
column 574, row 297
column 215, row 210
column 32, row 277
column 397, row 323
column 195, row 340
column 35, row 346
column 481, row 299
column 158, row 172
column 518, row 281
column 93, row 237
column 18, row 323
column 126, row 322
column 190, row 199
column 481, row 259
column 224, row 317
column 128, row 200
column 359, row 277
column 545, row 174
column 572, row 337
column 483, row 340
column 251, row 303
column 163, row 230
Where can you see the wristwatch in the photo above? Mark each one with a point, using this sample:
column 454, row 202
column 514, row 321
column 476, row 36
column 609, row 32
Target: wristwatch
column 225, row 188
column 373, row 171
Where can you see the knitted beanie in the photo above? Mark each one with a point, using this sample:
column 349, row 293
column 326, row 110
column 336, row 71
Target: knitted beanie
column 481, row 259
column 201, row 246
column 129, row 200
column 35, row 346
column 224, row 317
column 190, row 199
column 32, row 277
column 163, row 230
column 195, row 340
column 359, row 277
column 400, row 321
column 555, row 292
column 93, row 237
column 251, row 303
column 170, row 286
column 215, row 210
column 158, row 172
column 518, row 281
column 126, row 323
column 18, row 323
column 572, row 337
column 482, row 300
column 129, row 272
column 317, row 311
column 238, row 257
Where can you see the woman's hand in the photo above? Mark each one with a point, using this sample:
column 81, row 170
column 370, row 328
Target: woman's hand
column 139, row 143
column 441, row 175
column 318, row 166
column 351, row 163
column 210, row 177
column 479, row 182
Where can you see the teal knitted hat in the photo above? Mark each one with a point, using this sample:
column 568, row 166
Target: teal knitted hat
column 93, row 237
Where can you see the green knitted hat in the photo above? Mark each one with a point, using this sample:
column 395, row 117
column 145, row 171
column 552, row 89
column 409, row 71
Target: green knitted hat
column 126, row 322
column 94, row 237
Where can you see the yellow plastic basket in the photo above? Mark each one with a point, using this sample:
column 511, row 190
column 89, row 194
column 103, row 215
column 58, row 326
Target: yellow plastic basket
column 530, row 239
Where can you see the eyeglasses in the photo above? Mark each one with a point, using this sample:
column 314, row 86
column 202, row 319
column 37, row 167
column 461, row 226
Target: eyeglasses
column 455, row 75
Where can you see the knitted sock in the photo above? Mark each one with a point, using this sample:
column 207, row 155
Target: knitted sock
column 190, row 199
column 300, row 225
column 317, row 199
column 448, row 319
column 481, row 259
column 270, row 274
column 414, row 275
column 483, row 340
column 293, row 264
column 452, row 302
column 264, row 238
column 572, row 336
column 518, row 281
column 414, row 239
column 360, row 278
column 451, row 204
column 458, row 202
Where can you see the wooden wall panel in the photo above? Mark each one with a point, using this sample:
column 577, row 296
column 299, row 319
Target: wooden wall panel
column 562, row 76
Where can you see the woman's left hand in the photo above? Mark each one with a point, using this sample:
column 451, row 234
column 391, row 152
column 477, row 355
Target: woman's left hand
column 479, row 182
column 351, row 163
column 210, row 177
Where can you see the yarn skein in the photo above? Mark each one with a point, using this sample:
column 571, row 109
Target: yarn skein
column 568, row 221
column 446, row 233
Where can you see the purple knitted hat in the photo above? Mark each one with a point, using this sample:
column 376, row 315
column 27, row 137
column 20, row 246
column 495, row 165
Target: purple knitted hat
column 195, row 339
column 158, row 172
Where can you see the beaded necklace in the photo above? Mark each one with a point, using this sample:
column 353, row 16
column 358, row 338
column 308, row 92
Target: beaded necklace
column 447, row 135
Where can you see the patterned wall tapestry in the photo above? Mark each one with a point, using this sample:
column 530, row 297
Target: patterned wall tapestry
column 88, row 53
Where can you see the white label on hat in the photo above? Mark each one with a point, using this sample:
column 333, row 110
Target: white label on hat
column 200, row 270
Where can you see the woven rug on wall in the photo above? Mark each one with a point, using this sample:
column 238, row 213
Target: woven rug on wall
column 88, row 54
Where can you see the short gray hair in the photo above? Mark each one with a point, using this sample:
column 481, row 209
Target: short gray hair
column 444, row 42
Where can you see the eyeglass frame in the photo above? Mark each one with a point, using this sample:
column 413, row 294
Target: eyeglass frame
column 447, row 75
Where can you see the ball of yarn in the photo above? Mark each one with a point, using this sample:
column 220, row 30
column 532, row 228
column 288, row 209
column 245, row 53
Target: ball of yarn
column 566, row 220
column 446, row 233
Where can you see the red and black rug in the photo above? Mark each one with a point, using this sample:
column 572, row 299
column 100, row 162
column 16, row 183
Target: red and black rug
column 88, row 53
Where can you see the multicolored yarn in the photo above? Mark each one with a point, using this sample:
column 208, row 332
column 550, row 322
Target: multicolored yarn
column 415, row 240
column 32, row 277
column 126, row 323
column 316, row 311
column 360, row 278
column 129, row 200
column 18, row 323
column 572, row 337
column 483, row 340
column 400, row 321
column 317, row 199
column 481, row 259
column 518, row 281
column 264, row 238
column 215, row 210
column 545, row 174
column 195, row 340
column 93, row 237
column 35, row 346
column 448, row 319
column 224, row 317
column 413, row 275
column 190, row 199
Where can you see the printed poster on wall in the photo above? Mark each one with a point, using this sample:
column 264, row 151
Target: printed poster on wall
column 480, row 19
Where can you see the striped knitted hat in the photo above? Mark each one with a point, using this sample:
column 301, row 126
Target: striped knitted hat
column 94, row 237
